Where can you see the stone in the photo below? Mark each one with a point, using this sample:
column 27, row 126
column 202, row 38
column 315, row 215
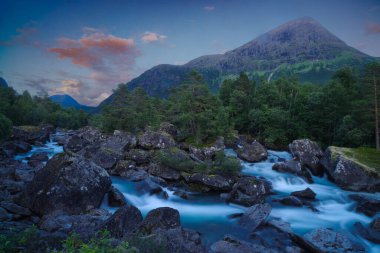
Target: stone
column 291, row 201
column 308, row 153
column 214, row 182
column 365, row 204
column 293, row 167
column 255, row 216
column 305, row 194
column 162, row 218
column 254, row 152
column 155, row 140
column 116, row 198
column 69, row 183
column 248, row 191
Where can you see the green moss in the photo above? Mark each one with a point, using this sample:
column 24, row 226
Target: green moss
column 368, row 158
column 30, row 129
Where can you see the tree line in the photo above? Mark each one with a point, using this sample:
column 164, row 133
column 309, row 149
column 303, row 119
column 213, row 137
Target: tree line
column 343, row 112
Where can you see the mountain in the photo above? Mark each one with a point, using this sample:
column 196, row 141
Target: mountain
column 67, row 101
column 301, row 47
column 3, row 83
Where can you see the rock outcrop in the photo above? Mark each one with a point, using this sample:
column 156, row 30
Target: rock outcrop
column 308, row 153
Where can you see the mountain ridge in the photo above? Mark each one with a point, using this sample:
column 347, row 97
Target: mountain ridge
column 67, row 101
column 301, row 47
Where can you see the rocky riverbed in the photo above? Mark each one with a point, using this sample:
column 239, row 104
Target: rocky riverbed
column 153, row 188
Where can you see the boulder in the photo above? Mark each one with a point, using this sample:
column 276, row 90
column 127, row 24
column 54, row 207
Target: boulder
column 15, row 209
column 304, row 194
column 124, row 221
column 42, row 157
column 290, row 201
column 122, row 167
column 155, row 140
column 82, row 138
column 163, row 172
column 367, row 232
column 308, row 153
column 162, row 218
column 148, row 185
column 254, row 152
column 255, row 216
column 32, row 134
column 214, row 182
column 327, row 240
column 248, row 191
column 109, row 151
column 135, row 175
column 116, row 198
column 349, row 174
column 293, row 167
column 230, row 244
column 365, row 204
column 69, row 183
column 11, row 148
column 139, row 156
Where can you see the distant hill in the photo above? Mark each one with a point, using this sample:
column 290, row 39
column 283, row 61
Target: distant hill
column 66, row 101
column 301, row 47
column 3, row 83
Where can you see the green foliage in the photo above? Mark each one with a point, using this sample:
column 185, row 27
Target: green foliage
column 175, row 158
column 102, row 243
column 226, row 165
column 13, row 242
column 5, row 127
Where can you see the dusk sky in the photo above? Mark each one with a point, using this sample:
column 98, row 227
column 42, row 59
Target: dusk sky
column 86, row 48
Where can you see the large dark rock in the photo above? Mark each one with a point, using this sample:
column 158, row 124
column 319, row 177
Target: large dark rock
column 163, row 172
column 109, row 151
column 308, row 153
column 305, row 194
column 290, row 201
column 148, row 185
column 162, row 218
column 365, row 204
column 255, row 216
column 82, row 138
column 293, row 167
column 69, row 183
column 15, row 209
column 176, row 240
column 139, row 156
column 122, row 167
column 125, row 220
column 32, row 134
column 169, row 128
column 254, row 152
column 323, row 240
column 248, row 191
column 230, row 244
column 214, row 182
column 155, row 140
column 116, row 198
column 367, row 232
column 349, row 174
column 11, row 148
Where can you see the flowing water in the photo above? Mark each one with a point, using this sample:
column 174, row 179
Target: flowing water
column 208, row 214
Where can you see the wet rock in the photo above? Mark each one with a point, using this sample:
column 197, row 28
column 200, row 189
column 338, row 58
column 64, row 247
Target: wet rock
column 32, row 134
column 375, row 224
column 162, row 218
column 125, row 220
column 293, row 167
column 148, row 185
column 290, row 201
column 327, row 240
column 349, row 174
column 163, row 172
column 214, row 182
column 230, row 244
column 181, row 194
column 135, row 175
column 367, row 233
column 69, row 183
column 11, row 148
column 139, row 156
column 365, row 204
column 255, row 216
column 247, row 191
column 308, row 153
column 305, row 194
column 254, row 152
column 116, row 198
column 43, row 157
column 155, row 140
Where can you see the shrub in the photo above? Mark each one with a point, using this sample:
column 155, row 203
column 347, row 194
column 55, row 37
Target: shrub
column 5, row 127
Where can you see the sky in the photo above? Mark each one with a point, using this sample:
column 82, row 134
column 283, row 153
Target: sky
column 86, row 48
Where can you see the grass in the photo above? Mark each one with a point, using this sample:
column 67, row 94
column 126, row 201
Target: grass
column 368, row 158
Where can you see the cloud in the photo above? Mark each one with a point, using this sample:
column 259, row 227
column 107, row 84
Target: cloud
column 24, row 36
column 109, row 60
column 149, row 37
column 209, row 8
column 373, row 28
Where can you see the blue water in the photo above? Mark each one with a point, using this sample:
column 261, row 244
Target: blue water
column 208, row 214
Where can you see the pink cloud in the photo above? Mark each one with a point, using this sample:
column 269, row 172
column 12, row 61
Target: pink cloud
column 152, row 37
column 209, row 8
column 373, row 28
